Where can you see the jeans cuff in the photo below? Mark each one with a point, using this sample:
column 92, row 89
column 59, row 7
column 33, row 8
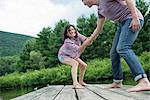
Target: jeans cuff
column 140, row 76
column 117, row 81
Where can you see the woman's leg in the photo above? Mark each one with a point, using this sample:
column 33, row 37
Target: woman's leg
column 74, row 64
column 83, row 67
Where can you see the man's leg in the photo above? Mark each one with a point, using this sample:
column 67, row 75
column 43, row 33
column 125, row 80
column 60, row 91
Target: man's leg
column 126, row 40
column 116, row 63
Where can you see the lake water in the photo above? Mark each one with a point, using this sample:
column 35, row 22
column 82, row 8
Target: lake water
column 12, row 93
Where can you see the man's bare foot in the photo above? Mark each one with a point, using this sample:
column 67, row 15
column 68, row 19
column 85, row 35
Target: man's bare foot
column 78, row 86
column 144, row 86
column 115, row 85
column 83, row 83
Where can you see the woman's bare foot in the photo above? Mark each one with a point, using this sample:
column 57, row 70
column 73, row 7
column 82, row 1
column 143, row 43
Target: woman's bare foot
column 78, row 86
column 83, row 83
column 143, row 85
column 115, row 85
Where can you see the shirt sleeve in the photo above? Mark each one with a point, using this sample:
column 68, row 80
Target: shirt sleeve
column 100, row 16
column 82, row 37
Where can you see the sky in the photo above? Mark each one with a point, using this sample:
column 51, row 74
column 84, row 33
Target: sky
column 29, row 17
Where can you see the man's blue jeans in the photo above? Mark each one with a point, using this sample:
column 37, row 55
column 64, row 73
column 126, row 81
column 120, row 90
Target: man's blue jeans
column 121, row 47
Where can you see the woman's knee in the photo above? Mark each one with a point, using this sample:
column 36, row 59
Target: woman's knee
column 75, row 64
column 71, row 62
column 84, row 66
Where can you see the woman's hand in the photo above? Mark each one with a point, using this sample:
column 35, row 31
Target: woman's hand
column 93, row 37
column 87, row 42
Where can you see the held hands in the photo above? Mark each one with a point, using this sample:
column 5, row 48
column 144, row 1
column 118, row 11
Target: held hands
column 88, row 41
column 93, row 37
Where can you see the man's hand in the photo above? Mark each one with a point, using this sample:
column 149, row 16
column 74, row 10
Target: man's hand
column 93, row 37
column 135, row 24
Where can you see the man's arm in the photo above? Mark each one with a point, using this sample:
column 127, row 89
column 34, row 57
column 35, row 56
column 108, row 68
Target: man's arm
column 97, row 31
column 135, row 24
column 99, row 28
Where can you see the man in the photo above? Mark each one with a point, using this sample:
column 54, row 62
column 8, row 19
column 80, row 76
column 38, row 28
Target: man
column 130, row 22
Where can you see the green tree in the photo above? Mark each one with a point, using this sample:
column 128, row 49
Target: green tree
column 24, row 62
column 55, row 41
column 8, row 64
column 45, row 47
column 36, row 59
column 143, row 41
column 100, row 47
column 49, row 42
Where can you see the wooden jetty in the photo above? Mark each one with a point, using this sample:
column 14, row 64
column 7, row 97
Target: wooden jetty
column 91, row 92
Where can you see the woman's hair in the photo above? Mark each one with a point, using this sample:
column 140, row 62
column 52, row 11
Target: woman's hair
column 66, row 31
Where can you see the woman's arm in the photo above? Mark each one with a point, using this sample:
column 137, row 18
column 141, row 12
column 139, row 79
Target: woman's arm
column 85, row 44
column 82, row 38
column 135, row 24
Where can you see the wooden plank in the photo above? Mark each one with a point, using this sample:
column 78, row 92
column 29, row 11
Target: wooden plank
column 134, row 95
column 31, row 95
column 91, row 92
column 107, row 94
column 85, row 94
column 67, row 94
column 50, row 93
column 144, row 92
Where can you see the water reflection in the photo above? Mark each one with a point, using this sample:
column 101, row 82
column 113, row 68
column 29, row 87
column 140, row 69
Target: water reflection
column 9, row 94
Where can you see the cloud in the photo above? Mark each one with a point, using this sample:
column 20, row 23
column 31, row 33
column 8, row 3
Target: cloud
column 72, row 11
column 30, row 16
column 25, row 16
column 77, row 9
column 62, row 2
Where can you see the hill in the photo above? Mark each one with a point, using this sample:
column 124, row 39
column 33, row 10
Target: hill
column 12, row 43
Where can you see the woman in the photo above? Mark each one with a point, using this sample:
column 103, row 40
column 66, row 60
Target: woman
column 70, row 52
